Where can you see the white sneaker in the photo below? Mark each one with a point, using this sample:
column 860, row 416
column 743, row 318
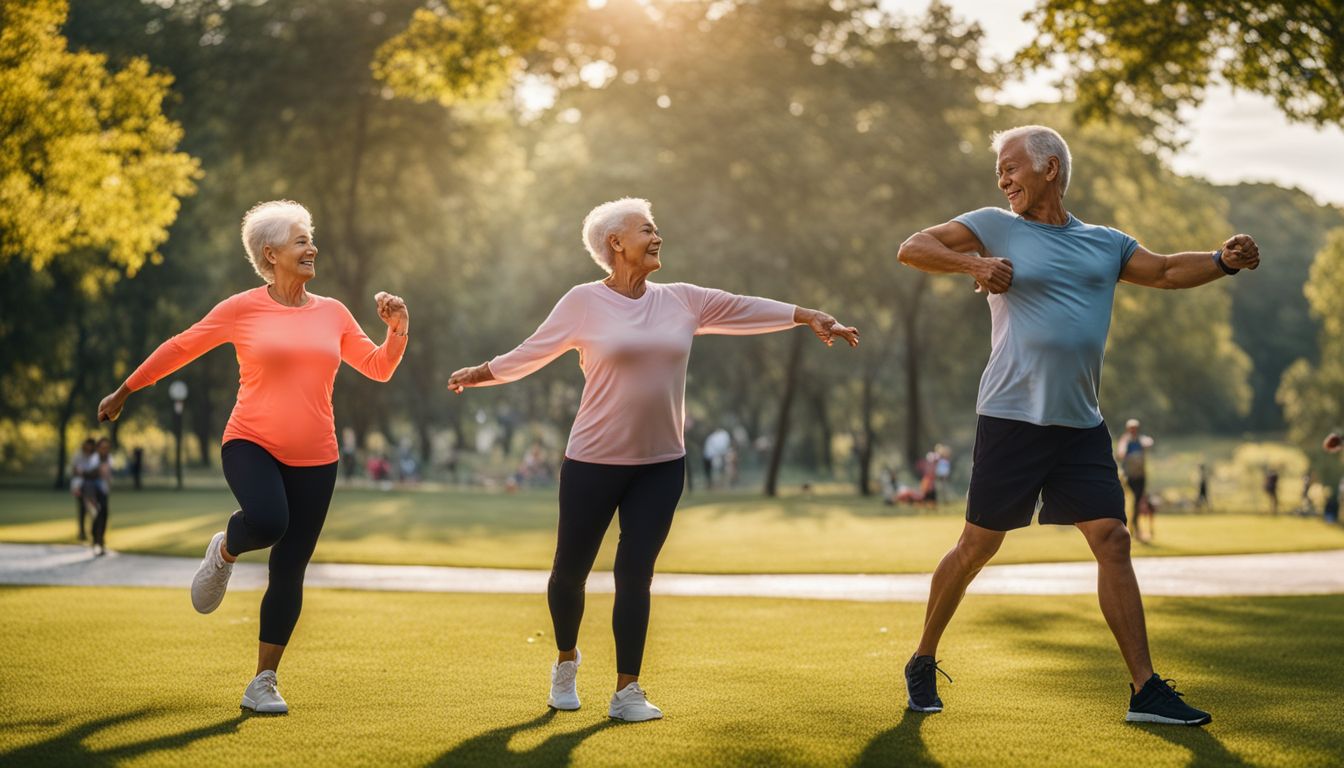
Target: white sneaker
column 631, row 705
column 564, row 693
column 212, row 578
column 262, row 695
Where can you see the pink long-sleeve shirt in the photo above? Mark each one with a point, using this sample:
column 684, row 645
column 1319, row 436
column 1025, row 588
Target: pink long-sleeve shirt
column 634, row 353
column 287, row 362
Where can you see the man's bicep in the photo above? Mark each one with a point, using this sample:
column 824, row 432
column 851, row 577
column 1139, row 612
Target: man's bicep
column 1144, row 268
column 957, row 236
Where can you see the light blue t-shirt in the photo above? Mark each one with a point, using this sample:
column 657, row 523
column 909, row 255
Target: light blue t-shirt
column 1049, row 328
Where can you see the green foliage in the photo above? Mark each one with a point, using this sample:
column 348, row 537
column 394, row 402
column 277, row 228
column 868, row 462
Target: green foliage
column 1149, row 58
column 465, row 50
column 88, row 159
column 1312, row 395
column 1270, row 316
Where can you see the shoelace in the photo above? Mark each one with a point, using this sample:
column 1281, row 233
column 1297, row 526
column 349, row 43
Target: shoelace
column 940, row 671
column 564, row 675
column 1170, row 686
column 268, row 685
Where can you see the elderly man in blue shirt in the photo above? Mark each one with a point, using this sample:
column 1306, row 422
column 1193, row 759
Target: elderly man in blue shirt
column 1040, row 435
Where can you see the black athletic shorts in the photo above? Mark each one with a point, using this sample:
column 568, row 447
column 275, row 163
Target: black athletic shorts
column 1015, row 463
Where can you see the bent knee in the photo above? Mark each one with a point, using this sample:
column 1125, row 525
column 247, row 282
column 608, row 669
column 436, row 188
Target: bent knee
column 1114, row 545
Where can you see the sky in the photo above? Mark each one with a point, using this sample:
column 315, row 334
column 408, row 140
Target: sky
column 1234, row 136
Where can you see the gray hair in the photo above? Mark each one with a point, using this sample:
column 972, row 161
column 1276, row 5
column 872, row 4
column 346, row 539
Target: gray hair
column 604, row 221
column 268, row 224
column 1042, row 143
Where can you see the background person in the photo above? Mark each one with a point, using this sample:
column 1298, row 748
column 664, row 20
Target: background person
column 79, row 464
column 1131, row 451
column 626, row 449
column 279, row 451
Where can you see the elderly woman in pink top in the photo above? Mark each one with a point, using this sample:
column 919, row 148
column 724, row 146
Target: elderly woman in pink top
column 279, row 454
column 626, row 449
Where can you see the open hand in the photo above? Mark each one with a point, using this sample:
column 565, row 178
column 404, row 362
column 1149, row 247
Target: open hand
column 392, row 309
column 1241, row 252
column 470, row 377
column 827, row 328
column 993, row 275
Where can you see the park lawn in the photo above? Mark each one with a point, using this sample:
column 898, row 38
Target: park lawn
column 102, row 676
column 723, row 533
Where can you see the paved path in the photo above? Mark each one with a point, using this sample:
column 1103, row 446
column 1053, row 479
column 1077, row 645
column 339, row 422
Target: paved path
column 1304, row 573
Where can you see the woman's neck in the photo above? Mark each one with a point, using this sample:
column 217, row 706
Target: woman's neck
column 291, row 293
column 628, row 284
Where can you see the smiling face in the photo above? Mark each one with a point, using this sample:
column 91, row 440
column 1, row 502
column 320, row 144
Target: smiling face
column 296, row 258
column 1026, row 188
column 637, row 245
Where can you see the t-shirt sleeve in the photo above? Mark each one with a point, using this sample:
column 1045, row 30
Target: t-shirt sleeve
column 554, row 337
column 1126, row 246
column 990, row 226
column 214, row 329
column 378, row 362
column 721, row 312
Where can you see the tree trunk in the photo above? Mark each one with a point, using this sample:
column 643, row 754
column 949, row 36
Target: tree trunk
column 782, row 424
column 914, row 408
column 821, row 408
column 76, row 389
column 866, row 449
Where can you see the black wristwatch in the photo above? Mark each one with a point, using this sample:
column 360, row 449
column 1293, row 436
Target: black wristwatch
column 1218, row 259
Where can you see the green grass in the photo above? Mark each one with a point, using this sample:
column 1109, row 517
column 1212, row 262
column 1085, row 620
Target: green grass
column 712, row 534
column 101, row 676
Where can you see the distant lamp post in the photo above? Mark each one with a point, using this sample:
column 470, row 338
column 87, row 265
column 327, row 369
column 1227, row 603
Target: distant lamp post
column 178, row 392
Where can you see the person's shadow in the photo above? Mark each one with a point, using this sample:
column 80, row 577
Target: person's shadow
column 1206, row 751
column 901, row 746
column 492, row 747
column 69, row 748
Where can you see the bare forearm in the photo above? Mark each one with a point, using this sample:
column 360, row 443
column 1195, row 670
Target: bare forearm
column 1190, row 269
column 924, row 252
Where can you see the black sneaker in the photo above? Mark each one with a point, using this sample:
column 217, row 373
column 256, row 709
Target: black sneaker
column 1159, row 703
column 921, row 684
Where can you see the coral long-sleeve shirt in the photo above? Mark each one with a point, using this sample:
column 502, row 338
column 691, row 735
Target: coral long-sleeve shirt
column 287, row 362
column 633, row 353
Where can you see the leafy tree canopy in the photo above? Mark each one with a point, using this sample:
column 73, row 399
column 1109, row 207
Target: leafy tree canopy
column 88, row 161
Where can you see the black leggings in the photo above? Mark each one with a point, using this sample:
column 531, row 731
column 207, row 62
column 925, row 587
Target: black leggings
column 283, row 508
column 647, row 496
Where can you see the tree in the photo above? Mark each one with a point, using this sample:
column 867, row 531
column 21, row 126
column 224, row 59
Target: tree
column 90, row 180
column 1150, row 58
column 465, row 50
column 1271, row 319
column 88, row 161
column 1312, row 396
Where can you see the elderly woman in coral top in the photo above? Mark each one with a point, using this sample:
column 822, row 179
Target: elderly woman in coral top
column 626, row 449
column 279, row 454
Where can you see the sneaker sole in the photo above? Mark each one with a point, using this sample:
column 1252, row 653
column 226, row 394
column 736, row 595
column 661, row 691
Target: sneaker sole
column 269, row 711
column 630, row 720
column 916, row 708
column 559, row 708
column 1144, row 717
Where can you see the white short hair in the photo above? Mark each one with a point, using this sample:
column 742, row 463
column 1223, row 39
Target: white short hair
column 268, row 224
column 605, row 220
column 1042, row 143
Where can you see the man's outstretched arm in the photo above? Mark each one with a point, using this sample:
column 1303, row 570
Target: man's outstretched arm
column 951, row 248
column 1192, row 268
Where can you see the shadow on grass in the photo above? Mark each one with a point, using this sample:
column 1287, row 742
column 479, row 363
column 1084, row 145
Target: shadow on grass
column 902, row 745
column 69, row 748
column 1206, row 751
column 492, row 747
